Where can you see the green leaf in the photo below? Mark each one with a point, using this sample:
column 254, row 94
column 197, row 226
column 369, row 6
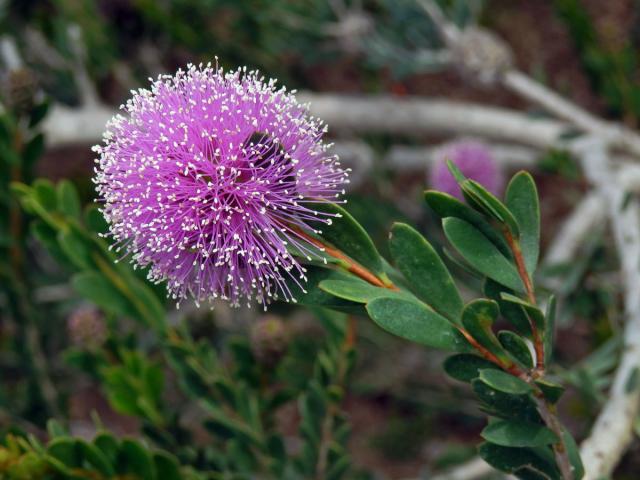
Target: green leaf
column 133, row 458
column 445, row 205
column 38, row 113
column 505, row 405
column 517, row 347
column 166, row 466
column 66, row 451
column 45, row 194
column 522, row 200
column 574, row 455
column 512, row 459
column 121, row 390
column 108, row 445
column 550, row 329
column 415, row 322
column 313, row 295
column 504, row 382
column 425, row 272
column 455, row 171
column 338, row 468
column 55, row 429
column 480, row 198
column 356, row 290
column 511, row 312
column 466, row 367
column 68, row 200
column 481, row 254
column 33, row 151
column 510, row 433
column 149, row 309
column 534, row 314
column 49, row 239
column 478, row 317
column 96, row 458
column 9, row 156
column 94, row 219
column 7, row 130
column 97, row 288
column 347, row 234
column 75, row 247
column 551, row 391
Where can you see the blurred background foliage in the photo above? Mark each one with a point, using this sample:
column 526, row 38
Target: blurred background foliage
column 221, row 394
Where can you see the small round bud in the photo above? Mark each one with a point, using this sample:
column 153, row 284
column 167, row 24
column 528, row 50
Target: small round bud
column 269, row 340
column 19, row 88
column 87, row 328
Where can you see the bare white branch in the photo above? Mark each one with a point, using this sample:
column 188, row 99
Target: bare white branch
column 357, row 114
column 613, row 429
column 474, row 469
column 615, row 134
column 432, row 116
column 9, row 52
column 407, row 158
column 88, row 93
column 590, row 212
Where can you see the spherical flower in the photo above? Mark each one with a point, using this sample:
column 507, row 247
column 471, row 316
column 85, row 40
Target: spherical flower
column 208, row 178
column 474, row 159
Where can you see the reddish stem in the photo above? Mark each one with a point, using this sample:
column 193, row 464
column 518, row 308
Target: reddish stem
column 351, row 265
column 538, row 344
column 511, row 368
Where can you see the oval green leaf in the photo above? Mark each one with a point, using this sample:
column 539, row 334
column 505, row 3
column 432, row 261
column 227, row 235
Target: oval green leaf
column 513, row 459
column 466, row 367
column 517, row 348
column 478, row 317
column 356, row 290
column 424, row 270
column 511, row 312
column 522, row 200
column 504, row 382
column 486, row 202
column 511, row 433
column 350, row 237
column 480, row 253
column 309, row 293
column 445, row 205
column 97, row 288
column 68, row 200
column 534, row 314
column 135, row 459
column 416, row 322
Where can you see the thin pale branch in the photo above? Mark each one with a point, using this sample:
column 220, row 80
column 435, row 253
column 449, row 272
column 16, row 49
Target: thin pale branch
column 612, row 431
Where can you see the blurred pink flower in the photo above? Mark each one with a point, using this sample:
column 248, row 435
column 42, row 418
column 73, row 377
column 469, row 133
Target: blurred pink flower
column 474, row 159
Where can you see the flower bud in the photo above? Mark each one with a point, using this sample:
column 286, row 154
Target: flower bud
column 19, row 88
column 87, row 328
column 269, row 340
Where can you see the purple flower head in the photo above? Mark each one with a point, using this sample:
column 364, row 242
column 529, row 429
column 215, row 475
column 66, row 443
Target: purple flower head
column 476, row 162
column 207, row 178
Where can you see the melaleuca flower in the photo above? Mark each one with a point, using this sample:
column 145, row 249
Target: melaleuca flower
column 474, row 159
column 208, row 178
